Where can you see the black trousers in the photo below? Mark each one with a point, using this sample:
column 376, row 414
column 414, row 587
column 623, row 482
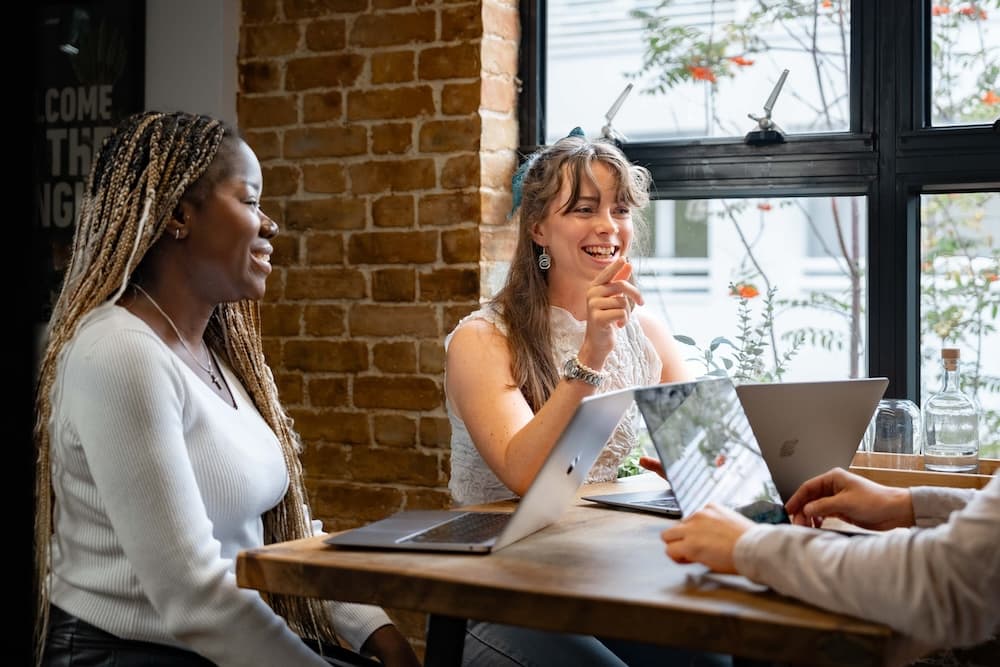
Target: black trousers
column 72, row 642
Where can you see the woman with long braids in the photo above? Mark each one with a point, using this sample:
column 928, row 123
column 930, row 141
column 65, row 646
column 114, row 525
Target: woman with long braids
column 162, row 447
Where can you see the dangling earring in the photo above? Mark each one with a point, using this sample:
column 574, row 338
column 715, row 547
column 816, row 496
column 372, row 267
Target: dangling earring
column 177, row 234
column 544, row 260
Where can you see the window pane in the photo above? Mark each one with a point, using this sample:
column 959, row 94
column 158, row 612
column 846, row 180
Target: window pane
column 699, row 67
column 965, row 62
column 960, row 297
column 810, row 251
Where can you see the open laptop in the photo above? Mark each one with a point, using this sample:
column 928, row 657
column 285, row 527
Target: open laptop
column 552, row 491
column 808, row 428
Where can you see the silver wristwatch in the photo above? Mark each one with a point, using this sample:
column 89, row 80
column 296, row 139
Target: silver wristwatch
column 574, row 370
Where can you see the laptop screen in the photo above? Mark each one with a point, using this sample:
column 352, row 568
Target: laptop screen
column 708, row 449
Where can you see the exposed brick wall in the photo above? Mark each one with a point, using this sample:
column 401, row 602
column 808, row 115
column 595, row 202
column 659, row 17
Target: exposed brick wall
column 387, row 133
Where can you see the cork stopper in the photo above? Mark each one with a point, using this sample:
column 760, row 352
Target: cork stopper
column 950, row 353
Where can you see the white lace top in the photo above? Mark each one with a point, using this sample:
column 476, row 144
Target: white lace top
column 632, row 363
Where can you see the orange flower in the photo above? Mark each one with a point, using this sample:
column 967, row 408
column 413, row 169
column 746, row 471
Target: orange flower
column 940, row 10
column 991, row 277
column 720, row 460
column 764, row 206
column 741, row 61
column 967, row 11
column 826, row 4
column 982, row 14
column 991, row 98
column 701, row 73
column 744, row 291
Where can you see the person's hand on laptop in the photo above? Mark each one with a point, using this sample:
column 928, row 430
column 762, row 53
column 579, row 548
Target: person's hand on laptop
column 708, row 536
column 652, row 464
column 852, row 498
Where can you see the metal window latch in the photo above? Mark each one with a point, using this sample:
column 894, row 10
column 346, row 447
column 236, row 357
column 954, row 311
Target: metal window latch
column 609, row 132
column 767, row 131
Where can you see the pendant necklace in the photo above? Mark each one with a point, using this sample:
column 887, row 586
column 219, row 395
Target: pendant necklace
column 208, row 369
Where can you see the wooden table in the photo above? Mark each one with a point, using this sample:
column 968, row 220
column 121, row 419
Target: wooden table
column 596, row 571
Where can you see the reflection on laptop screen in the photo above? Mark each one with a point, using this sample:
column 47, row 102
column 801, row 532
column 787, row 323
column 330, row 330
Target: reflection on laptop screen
column 708, row 450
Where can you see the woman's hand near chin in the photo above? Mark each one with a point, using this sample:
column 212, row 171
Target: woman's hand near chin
column 609, row 305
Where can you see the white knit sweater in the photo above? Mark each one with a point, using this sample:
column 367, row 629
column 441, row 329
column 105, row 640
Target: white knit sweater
column 158, row 484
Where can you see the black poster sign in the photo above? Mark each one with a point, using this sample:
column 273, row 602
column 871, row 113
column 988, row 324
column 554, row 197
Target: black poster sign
column 89, row 66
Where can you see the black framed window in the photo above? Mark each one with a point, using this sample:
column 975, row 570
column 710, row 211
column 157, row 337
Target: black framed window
column 913, row 148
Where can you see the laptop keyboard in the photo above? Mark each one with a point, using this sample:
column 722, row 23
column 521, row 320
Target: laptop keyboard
column 467, row 527
column 667, row 502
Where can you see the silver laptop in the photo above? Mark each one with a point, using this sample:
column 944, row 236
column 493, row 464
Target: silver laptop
column 799, row 429
column 552, row 491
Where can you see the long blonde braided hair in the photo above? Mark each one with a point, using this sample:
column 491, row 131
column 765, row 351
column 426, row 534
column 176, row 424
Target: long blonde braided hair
column 144, row 168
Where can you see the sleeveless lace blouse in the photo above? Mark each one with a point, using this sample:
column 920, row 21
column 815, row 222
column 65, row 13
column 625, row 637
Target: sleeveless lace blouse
column 633, row 362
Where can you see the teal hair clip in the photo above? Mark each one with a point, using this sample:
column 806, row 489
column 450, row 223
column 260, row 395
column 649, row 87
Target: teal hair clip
column 517, row 180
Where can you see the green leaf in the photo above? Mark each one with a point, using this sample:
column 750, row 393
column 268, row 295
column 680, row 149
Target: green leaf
column 687, row 340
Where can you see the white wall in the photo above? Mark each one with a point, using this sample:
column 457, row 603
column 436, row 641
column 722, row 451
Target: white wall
column 191, row 49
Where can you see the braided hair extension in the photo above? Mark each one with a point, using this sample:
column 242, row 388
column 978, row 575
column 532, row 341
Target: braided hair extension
column 145, row 167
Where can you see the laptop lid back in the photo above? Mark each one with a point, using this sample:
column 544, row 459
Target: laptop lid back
column 565, row 469
column 807, row 428
column 707, row 448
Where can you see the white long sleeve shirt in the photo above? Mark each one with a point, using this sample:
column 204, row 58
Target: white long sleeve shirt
column 158, row 484
column 940, row 586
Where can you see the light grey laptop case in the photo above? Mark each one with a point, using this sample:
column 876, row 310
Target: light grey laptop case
column 806, row 428
column 552, row 491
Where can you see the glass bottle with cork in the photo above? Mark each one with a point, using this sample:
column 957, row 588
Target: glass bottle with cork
column 951, row 422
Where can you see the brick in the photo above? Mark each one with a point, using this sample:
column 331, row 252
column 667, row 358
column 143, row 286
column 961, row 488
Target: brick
column 343, row 505
column 498, row 168
column 461, row 98
column 432, row 357
column 289, row 388
column 286, row 251
column 392, row 248
column 395, row 175
column 392, row 138
column 494, row 206
column 459, row 246
column 267, row 145
column 498, row 94
column 393, row 66
column 324, row 249
column 281, row 180
column 427, row 499
column 256, row 11
column 449, row 285
column 396, row 357
column 435, row 431
column 324, row 178
column 499, row 57
column 280, row 319
column 326, row 35
column 448, row 209
column 453, row 314
column 464, row 22
column 326, row 356
column 403, row 102
column 269, row 40
column 395, row 466
column 498, row 242
column 325, row 320
column 272, row 351
column 394, row 430
column 318, row 283
column 499, row 134
column 272, row 111
column 391, row 4
column 389, row 29
column 450, row 62
column 461, row 172
column 325, row 214
column 329, row 392
column 322, row 107
column 326, row 141
column 388, row 320
column 502, row 21
column 305, row 9
column 259, row 76
column 394, row 285
column 331, row 426
column 341, row 69
column 393, row 211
